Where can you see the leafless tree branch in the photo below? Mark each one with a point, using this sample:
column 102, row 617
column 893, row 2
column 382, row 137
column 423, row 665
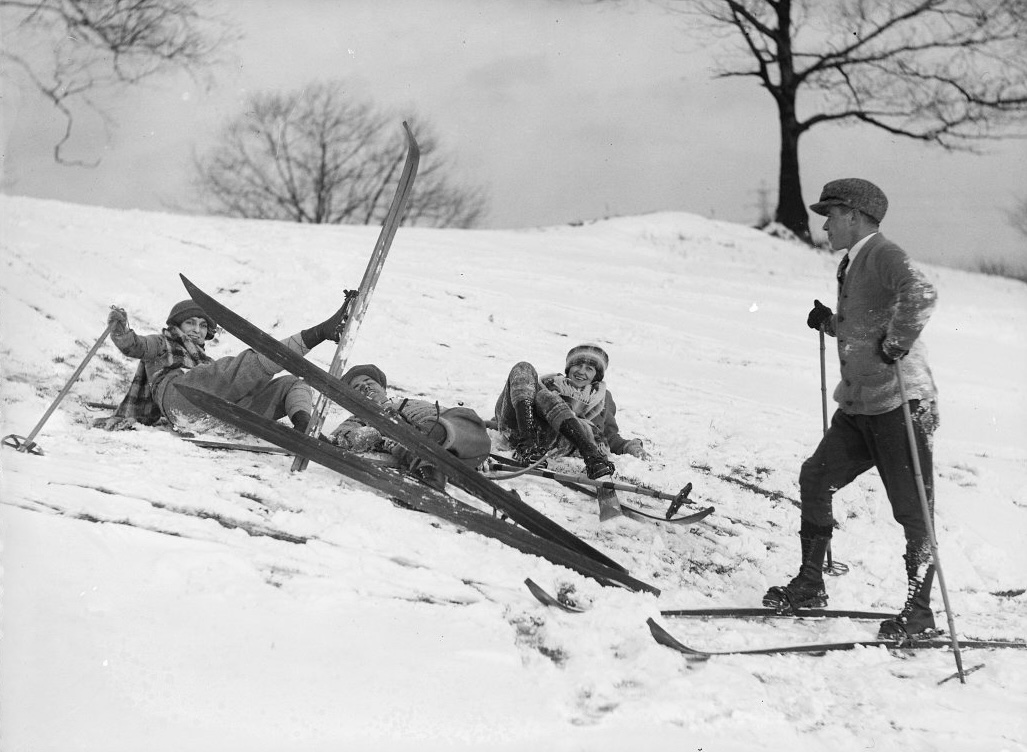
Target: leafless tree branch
column 952, row 73
column 68, row 50
column 320, row 156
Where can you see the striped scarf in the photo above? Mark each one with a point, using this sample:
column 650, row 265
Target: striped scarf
column 587, row 403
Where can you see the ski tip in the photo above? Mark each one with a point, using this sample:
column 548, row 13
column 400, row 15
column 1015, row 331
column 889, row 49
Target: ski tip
column 189, row 286
column 415, row 148
column 546, row 598
column 666, row 639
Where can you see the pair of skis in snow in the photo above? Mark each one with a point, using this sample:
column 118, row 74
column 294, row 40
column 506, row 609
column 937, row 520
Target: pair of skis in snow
column 664, row 637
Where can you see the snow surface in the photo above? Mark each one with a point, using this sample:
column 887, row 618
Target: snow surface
column 133, row 619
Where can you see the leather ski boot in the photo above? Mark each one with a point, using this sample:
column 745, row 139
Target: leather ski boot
column 423, row 471
column 916, row 620
column 806, row 590
column 527, row 448
column 300, row 420
column 580, row 436
column 330, row 328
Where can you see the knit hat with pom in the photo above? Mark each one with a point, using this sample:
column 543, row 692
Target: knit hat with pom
column 187, row 309
column 593, row 355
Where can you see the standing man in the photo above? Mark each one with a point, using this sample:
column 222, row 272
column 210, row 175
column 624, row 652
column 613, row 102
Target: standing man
column 883, row 305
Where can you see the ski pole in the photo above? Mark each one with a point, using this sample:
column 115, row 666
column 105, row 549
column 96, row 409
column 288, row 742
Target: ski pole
column 823, row 379
column 832, row 567
column 26, row 444
column 928, row 524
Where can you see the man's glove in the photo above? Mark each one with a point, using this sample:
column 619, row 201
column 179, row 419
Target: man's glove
column 119, row 319
column 891, row 350
column 819, row 315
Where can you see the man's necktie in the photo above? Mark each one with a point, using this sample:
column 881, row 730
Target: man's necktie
column 841, row 270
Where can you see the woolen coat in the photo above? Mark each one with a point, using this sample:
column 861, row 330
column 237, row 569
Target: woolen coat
column 883, row 296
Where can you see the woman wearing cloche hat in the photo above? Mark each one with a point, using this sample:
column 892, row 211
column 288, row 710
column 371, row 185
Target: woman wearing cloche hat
column 177, row 355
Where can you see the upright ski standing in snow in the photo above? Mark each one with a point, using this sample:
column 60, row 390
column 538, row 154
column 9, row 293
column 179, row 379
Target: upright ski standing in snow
column 357, row 304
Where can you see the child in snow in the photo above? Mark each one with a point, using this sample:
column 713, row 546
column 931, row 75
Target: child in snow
column 566, row 412
column 458, row 430
column 177, row 356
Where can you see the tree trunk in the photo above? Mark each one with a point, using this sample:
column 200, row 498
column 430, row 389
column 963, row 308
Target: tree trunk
column 791, row 209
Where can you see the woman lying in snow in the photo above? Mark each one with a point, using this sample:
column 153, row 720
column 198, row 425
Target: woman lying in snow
column 572, row 411
column 458, row 430
column 177, row 356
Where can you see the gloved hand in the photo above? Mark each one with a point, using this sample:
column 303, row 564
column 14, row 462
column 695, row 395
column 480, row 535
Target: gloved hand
column 635, row 449
column 891, row 350
column 361, row 439
column 119, row 319
column 819, row 315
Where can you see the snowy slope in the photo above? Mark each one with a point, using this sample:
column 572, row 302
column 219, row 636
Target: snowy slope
column 139, row 613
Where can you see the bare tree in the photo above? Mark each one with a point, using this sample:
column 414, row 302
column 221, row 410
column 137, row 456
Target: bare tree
column 952, row 73
column 72, row 50
column 317, row 155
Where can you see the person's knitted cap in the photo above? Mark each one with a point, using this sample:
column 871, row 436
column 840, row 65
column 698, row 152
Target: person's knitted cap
column 591, row 354
column 187, row 309
column 855, row 193
column 370, row 370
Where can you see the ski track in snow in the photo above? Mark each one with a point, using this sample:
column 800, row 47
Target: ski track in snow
column 241, row 606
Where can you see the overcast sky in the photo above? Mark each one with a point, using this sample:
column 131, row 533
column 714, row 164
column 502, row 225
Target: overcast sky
column 564, row 111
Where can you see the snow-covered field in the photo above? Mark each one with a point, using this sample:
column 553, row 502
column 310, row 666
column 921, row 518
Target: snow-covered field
column 133, row 619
